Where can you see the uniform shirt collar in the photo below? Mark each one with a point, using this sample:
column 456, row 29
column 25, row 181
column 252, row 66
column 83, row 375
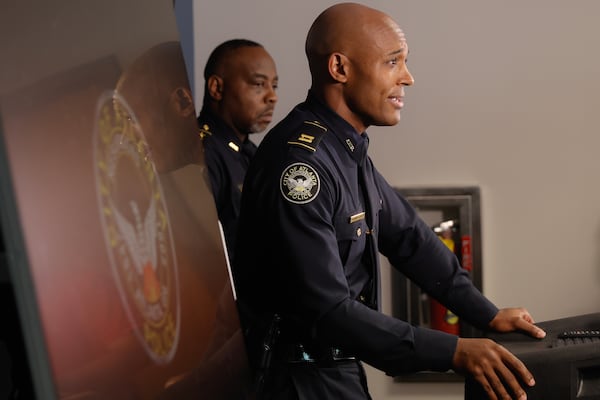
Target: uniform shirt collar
column 217, row 128
column 356, row 144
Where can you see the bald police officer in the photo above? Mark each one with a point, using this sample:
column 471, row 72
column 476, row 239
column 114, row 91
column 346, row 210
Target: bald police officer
column 316, row 213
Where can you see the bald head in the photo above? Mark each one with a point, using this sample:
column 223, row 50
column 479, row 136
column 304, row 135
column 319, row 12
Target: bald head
column 161, row 67
column 345, row 28
column 155, row 86
column 357, row 59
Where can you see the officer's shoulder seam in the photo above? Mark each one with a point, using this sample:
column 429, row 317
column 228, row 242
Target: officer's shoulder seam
column 309, row 136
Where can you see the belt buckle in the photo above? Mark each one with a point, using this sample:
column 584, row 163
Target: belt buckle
column 299, row 355
column 338, row 355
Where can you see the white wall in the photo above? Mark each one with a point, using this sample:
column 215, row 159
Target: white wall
column 507, row 98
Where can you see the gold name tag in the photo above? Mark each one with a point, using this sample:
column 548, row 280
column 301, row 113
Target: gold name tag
column 357, row 217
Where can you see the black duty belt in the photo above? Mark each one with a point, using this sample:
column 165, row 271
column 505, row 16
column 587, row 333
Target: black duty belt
column 298, row 353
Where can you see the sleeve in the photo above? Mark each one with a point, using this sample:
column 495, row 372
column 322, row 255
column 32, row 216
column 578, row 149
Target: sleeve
column 316, row 291
column 304, row 233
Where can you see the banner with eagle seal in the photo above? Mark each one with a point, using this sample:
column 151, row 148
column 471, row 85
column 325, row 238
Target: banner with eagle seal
column 137, row 228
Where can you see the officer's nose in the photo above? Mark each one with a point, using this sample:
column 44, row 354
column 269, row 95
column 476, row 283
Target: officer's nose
column 406, row 77
column 272, row 94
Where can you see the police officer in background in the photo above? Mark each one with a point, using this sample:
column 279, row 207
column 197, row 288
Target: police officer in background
column 239, row 98
column 316, row 213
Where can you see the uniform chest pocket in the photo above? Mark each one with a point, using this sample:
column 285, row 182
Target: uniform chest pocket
column 350, row 231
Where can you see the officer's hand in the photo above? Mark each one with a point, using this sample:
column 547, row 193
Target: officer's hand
column 496, row 369
column 516, row 319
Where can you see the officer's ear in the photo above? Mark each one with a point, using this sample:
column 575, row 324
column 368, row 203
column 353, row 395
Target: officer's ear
column 215, row 87
column 183, row 101
column 338, row 65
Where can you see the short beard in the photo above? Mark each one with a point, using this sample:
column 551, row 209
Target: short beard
column 256, row 128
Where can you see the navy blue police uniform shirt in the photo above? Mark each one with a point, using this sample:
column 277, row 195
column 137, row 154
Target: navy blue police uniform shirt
column 306, row 224
column 227, row 160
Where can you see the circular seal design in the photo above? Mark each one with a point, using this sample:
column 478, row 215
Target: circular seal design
column 300, row 183
column 136, row 226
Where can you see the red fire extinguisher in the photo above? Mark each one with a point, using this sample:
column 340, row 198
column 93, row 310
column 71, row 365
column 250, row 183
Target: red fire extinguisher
column 443, row 319
column 440, row 317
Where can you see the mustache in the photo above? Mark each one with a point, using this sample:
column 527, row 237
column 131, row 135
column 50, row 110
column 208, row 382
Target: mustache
column 268, row 110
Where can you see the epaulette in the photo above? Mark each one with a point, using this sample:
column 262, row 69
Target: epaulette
column 204, row 131
column 310, row 135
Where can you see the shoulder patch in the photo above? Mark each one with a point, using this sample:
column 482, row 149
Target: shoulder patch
column 299, row 183
column 311, row 133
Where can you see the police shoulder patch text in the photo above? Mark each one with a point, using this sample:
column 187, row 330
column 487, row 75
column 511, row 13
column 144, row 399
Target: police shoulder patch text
column 299, row 183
